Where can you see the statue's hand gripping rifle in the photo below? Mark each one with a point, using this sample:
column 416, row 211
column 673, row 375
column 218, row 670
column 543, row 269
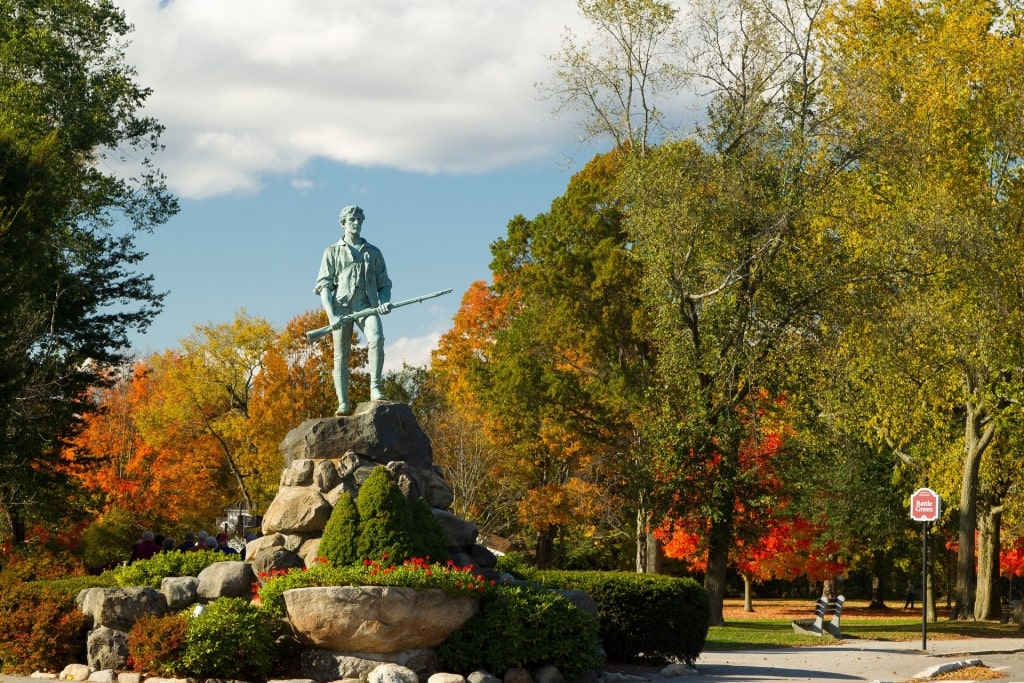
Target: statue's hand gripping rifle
column 321, row 332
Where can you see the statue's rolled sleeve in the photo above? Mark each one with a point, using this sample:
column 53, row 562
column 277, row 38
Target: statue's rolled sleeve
column 327, row 275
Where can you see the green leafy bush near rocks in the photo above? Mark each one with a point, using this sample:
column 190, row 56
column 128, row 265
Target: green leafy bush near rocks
column 520, row 626
column 642, row 616
column 230, row 639
column 155, row 644
column 381, row 525
column 39, row 625
column 176, row 563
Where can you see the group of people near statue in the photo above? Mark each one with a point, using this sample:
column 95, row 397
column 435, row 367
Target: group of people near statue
column 149, row 544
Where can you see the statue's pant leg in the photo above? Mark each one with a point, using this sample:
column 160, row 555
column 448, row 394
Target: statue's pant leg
column 342, row 351
column 374, row 332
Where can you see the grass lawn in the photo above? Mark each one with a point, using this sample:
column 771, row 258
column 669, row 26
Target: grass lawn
column 769, row 625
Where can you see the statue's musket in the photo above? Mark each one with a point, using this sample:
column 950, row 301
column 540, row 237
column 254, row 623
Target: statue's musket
column 321, row 332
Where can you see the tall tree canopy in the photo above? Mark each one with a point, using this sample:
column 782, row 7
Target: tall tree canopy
column 70, row 211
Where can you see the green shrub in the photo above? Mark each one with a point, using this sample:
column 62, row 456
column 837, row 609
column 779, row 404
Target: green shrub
column 230, row 639
column 175, row 563
column 107, row 540
column 338, row 542
column 525, row 627
column 381, row 525
column 39, row 627
column 428, row 532
column 642, row 616
column 517, row 566
column 156, row 644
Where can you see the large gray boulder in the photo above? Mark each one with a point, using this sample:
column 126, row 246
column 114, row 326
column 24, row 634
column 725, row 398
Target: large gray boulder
column 324, row 665
column 232, row 579
column 120, row 608
column 377, row 619
column 180, row 591
column 380, row 431
column 458, row 533
column 107, row 648
column 296, row 509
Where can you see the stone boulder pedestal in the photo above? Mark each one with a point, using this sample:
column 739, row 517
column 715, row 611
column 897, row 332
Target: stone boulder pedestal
column 375, row 619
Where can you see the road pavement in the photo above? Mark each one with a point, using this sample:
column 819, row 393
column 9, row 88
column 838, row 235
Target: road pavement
column 853, row 660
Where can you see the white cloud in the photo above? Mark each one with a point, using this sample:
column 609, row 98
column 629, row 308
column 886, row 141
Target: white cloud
column 413, row 351
column 251, row 87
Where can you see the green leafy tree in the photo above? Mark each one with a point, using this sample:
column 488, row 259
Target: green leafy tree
column 938, row 194
column 563, row 383
column 70, row 212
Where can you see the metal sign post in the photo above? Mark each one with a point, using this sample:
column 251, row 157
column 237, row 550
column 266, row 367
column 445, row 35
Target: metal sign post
column 925, row 506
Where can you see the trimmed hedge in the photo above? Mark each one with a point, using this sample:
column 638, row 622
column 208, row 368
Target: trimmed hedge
column 520, row 626
column 643, row 616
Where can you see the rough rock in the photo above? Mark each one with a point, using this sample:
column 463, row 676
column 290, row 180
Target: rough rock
column 444, row 677
column 309, row 551
column 297, row 473
column 548, row 674
column 380, row 431
column 392, row 673
column 107, row 649
column 482, row 557
column 296, row 508
column 582, row 599
column 377, row 619
column 102, row 676
column 437, row 492
column 231, row 579
column 457, row 532
column 257, row 545
column 180, row 591
column 119, row 608
column 325, row 475
column 481, row 676
column 129, row 677
column 518, row 675
column 75, row 672
column 324, row 665
column 275, row 558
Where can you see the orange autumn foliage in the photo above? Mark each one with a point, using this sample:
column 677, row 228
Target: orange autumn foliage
column 154, row 484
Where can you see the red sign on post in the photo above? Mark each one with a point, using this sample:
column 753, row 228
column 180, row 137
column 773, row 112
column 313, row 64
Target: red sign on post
column 925, row 505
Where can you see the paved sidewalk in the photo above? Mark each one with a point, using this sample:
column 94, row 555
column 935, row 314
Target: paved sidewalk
column 856, row 660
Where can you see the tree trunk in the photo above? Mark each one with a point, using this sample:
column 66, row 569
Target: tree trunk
column 977, row 435
column 545, row 553
column 719, row 541
column 648, row 552
column 878, row 567
column 929, row 597
column 987, row 604
column 748, row 598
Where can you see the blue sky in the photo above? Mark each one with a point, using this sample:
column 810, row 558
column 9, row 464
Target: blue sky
column 280, row 112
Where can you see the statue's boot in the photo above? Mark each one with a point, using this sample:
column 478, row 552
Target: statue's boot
column 376, row 358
